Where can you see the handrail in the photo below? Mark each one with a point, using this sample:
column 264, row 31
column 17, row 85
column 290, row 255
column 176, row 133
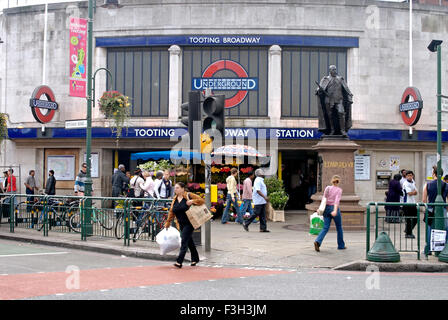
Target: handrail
column 418, row 205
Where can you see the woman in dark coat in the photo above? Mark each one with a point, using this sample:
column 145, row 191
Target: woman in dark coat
column 181, row 203
column 393, row 195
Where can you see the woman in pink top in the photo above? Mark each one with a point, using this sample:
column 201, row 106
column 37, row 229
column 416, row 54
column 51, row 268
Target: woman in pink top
column 148, row 187
column 333, row 194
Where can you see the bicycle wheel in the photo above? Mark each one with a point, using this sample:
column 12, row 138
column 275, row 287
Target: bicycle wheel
column 40, row 221
column 141, row 228
column 37, row 216
column 161, row 219
column 105, row 219
column 75, row 218
column 119, row 227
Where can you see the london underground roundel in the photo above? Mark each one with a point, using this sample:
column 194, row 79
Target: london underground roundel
column 37, row 105
column 242, row 83
column 411, row 109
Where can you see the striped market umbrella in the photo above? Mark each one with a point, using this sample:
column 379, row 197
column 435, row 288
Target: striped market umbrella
column 237, row 150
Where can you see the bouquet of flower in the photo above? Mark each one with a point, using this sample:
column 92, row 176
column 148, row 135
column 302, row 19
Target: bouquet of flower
column 247, row 170
column 115, row 105
column 221, row 186
column 3, row 126
column 215, row 170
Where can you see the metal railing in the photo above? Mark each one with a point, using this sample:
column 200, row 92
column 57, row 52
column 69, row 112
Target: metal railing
column 398, row 224
column 104, row 217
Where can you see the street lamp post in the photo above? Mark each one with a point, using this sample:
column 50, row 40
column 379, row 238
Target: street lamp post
column 87, row 230
column 434, row 46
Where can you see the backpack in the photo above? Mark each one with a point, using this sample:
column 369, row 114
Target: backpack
column 131, row 191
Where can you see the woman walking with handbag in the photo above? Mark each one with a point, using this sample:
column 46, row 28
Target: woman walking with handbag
column 333, row 196
column 180, row 205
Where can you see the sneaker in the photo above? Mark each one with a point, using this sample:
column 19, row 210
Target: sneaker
column 410, row 236
column 316, row 246
column 245, row 227
column 265, row 231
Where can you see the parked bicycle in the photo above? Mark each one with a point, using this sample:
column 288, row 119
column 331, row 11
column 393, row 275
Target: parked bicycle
column 147, row 218
column 98, row 215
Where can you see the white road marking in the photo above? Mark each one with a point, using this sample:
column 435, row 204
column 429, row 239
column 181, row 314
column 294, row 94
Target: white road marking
column 31, row 254
column 211, row 280
column 104, row 290
column 3, row 274
column 142, row 287
column 242, row 277
column 59, row 294
column 177, row 282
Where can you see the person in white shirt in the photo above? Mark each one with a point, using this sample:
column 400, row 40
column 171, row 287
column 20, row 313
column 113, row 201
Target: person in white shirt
column 158, row 184
column 260, row 198
column 410, row 212
column 166, row 187
column 137, row 183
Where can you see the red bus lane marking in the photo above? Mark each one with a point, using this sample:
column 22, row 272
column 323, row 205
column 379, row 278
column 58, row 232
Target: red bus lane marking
column 19, row 286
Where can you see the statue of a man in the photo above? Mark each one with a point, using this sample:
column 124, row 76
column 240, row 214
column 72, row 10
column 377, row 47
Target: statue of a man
column 334, row 104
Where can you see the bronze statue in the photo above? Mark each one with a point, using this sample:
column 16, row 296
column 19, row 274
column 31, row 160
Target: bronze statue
column 334, row 100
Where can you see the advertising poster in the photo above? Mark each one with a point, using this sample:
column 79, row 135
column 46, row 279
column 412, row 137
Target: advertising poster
column 78, row 50
column 394, row 164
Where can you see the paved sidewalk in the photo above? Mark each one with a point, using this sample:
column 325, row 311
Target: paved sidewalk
column 288, row 245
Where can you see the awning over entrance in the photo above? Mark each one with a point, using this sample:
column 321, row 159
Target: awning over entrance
column 167, row 154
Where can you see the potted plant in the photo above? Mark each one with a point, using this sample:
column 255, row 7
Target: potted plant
column 115, row 105
column 278, row 198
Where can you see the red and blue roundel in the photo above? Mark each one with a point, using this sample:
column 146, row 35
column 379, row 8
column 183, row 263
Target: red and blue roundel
column 50, row 104
column 241, row 83
column 411, row 110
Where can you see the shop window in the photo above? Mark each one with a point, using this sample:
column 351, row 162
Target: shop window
column 143, row 75
column 301, row 67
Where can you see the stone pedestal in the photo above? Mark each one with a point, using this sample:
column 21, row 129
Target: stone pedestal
column 337, row 156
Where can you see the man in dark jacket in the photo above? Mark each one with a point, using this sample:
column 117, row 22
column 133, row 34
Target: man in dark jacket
column 50, row 187
column 119, row 181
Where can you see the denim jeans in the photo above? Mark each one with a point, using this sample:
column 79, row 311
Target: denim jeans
column 30, row 200
column 229, row 202
column 327, row 221
column 247, row 206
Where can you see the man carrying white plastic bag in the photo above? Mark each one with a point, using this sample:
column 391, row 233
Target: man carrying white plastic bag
column 168, row 240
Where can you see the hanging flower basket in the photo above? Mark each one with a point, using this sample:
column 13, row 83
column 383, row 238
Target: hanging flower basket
column 3, row 126
column 116, row 106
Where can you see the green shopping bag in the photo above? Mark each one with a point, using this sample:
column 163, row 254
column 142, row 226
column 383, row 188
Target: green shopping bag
column 316, row 223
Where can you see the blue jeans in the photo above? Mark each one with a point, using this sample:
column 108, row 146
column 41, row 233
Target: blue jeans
column 229, row 202
column 30, row 200
column 247, row 206
column 327, row 221
column 311, row 190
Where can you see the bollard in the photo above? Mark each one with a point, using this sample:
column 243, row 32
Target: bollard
column 383, row 250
